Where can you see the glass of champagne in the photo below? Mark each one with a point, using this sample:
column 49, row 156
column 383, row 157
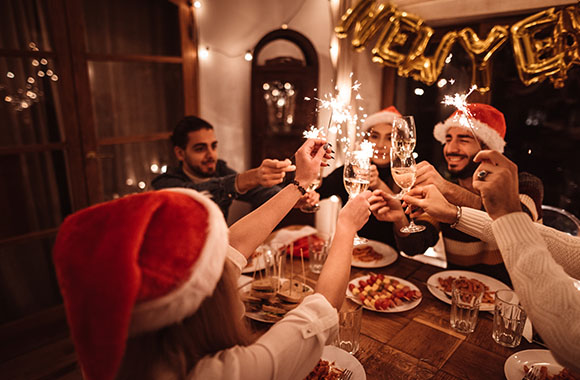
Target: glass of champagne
column 404, row 172
column 356, row 176
column 404, row 135
column 308, row 208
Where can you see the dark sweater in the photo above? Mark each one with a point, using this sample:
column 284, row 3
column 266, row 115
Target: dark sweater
column 221, row 187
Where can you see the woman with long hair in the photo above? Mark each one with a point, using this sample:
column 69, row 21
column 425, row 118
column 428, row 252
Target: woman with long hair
column 149, row 284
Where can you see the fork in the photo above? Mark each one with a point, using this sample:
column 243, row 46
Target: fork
column 345, row 375
column 532, row 374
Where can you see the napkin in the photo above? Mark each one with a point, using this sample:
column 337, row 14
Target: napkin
column 528, row 331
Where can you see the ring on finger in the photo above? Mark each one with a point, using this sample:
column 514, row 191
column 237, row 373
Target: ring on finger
column 482, row 174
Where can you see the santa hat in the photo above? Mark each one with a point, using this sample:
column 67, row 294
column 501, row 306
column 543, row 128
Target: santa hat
column 134, row 265
column 384, row 116
column 488, row 125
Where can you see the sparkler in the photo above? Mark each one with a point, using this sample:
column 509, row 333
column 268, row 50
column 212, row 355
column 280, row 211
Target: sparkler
column 459, row 101
column 340, row 112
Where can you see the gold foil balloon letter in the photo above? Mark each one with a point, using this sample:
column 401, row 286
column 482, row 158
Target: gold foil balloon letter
column 546, row 45
column 480, row 52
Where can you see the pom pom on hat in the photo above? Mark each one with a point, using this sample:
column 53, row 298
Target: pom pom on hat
column 386, row 115
column 134, row 265
column 487, row 121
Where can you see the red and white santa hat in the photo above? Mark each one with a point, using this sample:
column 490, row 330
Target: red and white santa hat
column 488, row 125
column 386, row 115
column 133, row 265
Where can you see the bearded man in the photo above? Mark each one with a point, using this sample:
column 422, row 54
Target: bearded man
column 196, row 148
column 463, row 136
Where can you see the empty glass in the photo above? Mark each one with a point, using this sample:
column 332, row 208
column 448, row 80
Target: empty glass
column 509, row 319
column 349, row 323
column 464, row 307
column 317, row 251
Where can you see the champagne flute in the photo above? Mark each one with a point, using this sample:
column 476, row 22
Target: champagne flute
column 308, row 208
column 403, row 135
column 356, row 176
column 404, row 172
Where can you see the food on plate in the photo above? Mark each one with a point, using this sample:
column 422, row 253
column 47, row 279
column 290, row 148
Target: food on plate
column 366, row 253
column 470, row 284
column 380, row 292
column 271, row 301
column 324, row 370
column 564, row 374
column 263, row 288
column 296, row 294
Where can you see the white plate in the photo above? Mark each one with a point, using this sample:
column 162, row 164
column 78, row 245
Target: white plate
column 492, row 283
column 344, row 360
column 514, row 365
column 397, row 309
column 389, row 256
column 259, row 315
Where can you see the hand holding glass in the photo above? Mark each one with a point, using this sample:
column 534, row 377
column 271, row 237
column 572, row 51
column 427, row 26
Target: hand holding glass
column 356, row 176
column 308, row 208
column 404, row 172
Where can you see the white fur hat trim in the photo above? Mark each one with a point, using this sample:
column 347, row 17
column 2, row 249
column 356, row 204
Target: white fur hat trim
column 483, row 132
column 205, row 274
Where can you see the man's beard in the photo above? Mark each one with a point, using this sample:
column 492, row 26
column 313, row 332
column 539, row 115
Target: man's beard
column 201, row 174
column 467, row 171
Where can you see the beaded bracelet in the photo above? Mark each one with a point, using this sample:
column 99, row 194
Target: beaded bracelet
column 300, row 188
column 457, row 217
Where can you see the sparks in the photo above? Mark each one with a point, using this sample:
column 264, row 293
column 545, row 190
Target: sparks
column 367, row 150
column 459, row 101
column 340, row 111
column 314, row 133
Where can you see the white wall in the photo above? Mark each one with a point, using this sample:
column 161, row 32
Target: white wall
column 230, row 28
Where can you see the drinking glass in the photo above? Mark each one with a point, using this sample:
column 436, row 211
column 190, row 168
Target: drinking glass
column 509, row 319
column 307, row 208
column 404, row 171
column 356, row 176
column 317, row 251
column 464, row 307
column 349, row 323
column 403, row 136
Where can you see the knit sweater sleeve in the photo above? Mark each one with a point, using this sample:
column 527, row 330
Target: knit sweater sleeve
column 550, row 297
column 563, row 247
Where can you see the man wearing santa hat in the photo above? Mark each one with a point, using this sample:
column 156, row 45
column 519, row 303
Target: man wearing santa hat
column 463, row 136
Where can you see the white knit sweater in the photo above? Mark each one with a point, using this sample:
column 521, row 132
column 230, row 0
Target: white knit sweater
column 544, row 266
column 565, row 249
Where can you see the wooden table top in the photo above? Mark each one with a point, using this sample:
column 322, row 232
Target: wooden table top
column 420, row 343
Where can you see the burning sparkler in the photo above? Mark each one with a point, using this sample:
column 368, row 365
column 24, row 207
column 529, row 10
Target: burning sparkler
column 459, row 101
column 341, row 112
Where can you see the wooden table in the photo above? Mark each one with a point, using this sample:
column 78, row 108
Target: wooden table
column 420, row 343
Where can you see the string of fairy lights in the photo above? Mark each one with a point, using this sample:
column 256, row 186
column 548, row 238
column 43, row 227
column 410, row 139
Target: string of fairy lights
column 22, row 94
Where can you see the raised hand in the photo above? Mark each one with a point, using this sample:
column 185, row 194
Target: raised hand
column 386, row 208
column 428, row 175
column 496, row 179
column 309, row 158
column 429, row 199
column 272, row 172
column 356, row 212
